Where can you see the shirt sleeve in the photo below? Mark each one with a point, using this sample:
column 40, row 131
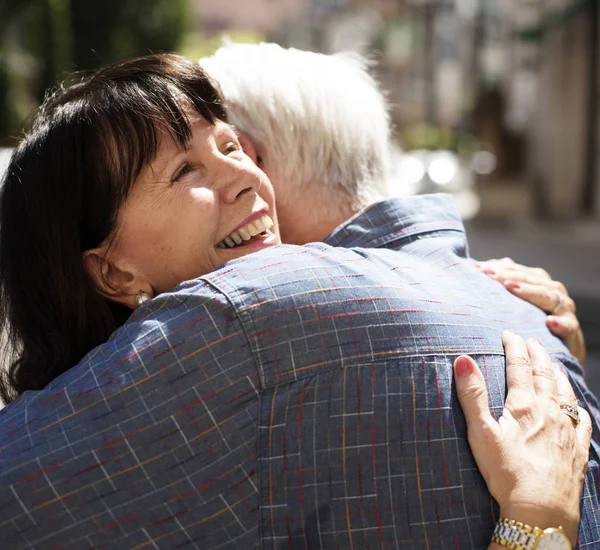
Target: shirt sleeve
column 162, row 411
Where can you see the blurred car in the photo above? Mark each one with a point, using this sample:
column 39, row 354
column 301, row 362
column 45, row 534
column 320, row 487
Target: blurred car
column 425, row 171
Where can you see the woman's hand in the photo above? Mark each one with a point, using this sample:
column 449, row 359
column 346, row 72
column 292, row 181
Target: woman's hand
column 534, row 458
column 537, row 287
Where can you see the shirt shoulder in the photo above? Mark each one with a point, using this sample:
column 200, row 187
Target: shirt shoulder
column 316, row 307
column 394, row 222
column 178, row 346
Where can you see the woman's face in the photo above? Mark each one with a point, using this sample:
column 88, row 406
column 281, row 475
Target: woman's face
column 191, row 211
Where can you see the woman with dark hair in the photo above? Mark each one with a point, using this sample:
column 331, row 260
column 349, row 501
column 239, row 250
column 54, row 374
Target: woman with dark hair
column 66, row 195
column 111, row 200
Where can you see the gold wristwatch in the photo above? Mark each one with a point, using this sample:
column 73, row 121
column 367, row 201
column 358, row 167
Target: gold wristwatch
column 518, row 536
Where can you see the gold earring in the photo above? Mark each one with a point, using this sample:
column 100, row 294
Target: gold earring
column 141, row 297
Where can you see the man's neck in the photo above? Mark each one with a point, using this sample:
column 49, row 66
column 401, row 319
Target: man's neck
column 309, row 221
column 301, row 233
column 307, row 228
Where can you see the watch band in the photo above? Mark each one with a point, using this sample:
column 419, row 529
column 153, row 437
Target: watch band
column 515, row 535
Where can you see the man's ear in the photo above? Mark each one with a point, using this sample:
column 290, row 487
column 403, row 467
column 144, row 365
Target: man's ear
column 114, row 283
column 249, row 148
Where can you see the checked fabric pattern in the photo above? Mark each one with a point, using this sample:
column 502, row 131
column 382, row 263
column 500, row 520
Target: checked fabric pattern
column 298, row 398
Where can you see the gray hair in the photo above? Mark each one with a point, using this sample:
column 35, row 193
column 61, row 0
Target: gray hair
column 320, row 118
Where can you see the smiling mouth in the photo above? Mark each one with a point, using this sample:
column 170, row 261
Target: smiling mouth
column 256, row 229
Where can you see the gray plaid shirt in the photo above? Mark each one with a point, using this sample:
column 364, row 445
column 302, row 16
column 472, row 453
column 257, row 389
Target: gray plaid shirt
column 300, row 397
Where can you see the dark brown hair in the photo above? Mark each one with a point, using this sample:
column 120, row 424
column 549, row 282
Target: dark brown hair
column 61, row 195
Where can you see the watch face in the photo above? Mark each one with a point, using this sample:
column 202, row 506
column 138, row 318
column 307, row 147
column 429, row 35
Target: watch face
column 554, row 539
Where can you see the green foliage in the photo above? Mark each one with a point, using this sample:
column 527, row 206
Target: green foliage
column 112, row 30
column 196, row 46
column 60, row 36
column 432, row 138
column 5, row 111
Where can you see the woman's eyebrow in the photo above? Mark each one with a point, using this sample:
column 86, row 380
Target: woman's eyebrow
column 158, row 169
column 224, row 129
column 175, row 159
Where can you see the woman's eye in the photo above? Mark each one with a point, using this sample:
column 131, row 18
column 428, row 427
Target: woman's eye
column 187, row 168
column 232, row 148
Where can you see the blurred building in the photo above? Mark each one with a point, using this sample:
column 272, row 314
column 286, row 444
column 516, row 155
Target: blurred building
column 272, row 18
column 521, row 75
column 560, row 52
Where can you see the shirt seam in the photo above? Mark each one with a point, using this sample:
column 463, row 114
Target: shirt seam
column 259, row 406
column 271, row 387
column 382, row 241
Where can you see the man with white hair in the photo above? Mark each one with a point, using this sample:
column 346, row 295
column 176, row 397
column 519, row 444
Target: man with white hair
column 319, row 126
column 324, row 164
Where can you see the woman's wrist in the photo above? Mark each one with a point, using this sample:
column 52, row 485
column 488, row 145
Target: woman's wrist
column 539, row 516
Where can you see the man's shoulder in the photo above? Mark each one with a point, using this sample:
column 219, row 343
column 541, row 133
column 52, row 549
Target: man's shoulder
column 154, row 351
column 177, row 348
column 168, row 404
column 395, row 221
column 290, row 272
column 278, row 261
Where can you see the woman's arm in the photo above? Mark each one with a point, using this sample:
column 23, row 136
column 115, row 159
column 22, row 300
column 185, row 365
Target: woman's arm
column 534, row 458
column 536, row 286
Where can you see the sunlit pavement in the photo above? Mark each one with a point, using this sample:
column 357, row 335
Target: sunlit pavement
column 569, row 252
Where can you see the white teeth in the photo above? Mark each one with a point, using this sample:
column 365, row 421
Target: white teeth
column 259, row 225
column 267, row 222
column 246, row 233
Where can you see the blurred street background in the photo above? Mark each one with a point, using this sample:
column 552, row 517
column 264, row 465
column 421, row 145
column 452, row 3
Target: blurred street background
column 494, row 101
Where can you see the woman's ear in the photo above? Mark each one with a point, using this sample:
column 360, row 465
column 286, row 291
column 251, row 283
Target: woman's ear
column 249, row 148
column 114, row 283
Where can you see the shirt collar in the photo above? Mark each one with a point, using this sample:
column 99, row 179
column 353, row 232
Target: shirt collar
column 397, row 219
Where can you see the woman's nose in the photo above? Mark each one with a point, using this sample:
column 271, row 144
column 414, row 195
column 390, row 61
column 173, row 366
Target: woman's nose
column 239, row 183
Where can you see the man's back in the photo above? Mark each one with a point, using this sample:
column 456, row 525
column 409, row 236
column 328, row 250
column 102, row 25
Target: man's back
column 359, row 429
column 300, row 398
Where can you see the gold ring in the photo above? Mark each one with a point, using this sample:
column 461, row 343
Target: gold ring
column 572, row 413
